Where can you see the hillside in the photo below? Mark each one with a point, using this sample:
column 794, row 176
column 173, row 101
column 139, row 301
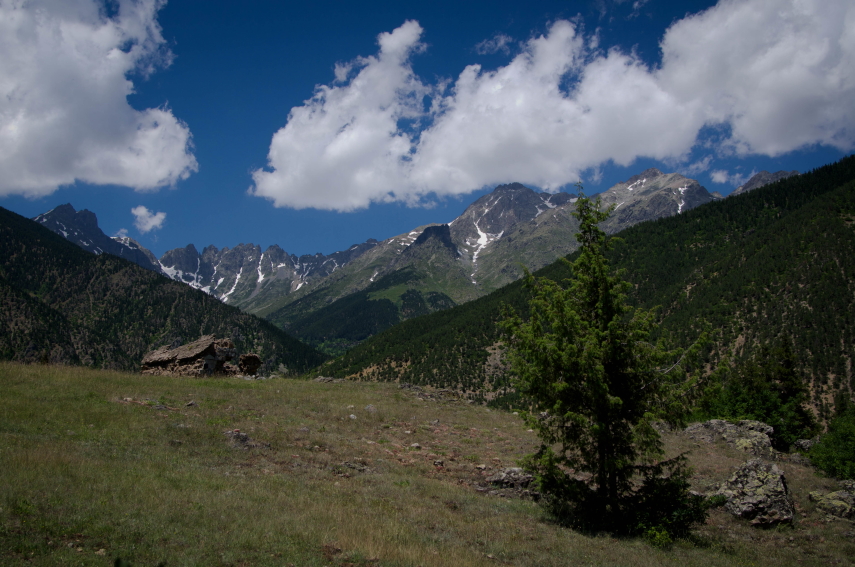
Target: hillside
column 99, row 465
column 778, row 259
column 61, row 304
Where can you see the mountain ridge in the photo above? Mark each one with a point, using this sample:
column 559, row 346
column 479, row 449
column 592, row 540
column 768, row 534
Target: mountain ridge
column 488, row 245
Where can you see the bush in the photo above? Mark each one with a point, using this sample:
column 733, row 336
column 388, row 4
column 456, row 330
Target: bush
column 835, row 451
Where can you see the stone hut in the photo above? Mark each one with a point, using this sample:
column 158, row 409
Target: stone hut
column 203, row 357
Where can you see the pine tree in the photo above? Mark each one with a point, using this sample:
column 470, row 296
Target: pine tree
column 597, row 385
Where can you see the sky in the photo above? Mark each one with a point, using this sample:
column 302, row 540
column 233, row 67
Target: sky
column 319, row 125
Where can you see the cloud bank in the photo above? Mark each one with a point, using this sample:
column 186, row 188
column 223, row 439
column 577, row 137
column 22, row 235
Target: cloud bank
column 146, row 221
column 771, row 76
column 64, row 115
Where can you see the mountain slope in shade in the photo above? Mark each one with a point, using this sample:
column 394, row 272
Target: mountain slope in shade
column 61, row 304
column 761, row 179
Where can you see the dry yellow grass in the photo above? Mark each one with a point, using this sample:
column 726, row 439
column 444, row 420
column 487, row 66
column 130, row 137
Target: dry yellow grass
column 98, row 465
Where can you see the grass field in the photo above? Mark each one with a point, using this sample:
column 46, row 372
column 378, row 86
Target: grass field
column 97, row 465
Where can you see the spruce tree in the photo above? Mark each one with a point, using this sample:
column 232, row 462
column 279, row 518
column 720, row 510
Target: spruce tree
column 597, row 385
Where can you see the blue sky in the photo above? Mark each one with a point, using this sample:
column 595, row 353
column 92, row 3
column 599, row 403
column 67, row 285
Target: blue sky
column 319, row 125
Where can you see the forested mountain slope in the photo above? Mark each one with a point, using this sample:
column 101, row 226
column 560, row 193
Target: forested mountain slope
column 61, row 304
column 777, row 260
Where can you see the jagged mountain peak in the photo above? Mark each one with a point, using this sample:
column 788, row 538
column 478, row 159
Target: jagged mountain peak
column 81, row 228
column 493, row 215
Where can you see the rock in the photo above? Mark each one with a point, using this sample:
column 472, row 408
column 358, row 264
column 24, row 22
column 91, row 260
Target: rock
column 805, row 444
column 758, row 492
column 203, row 357
column 513, row 477
column 370, row 409
column 748, row 435
column 840, row 503
column 511, row 482
column 241, row 439
column 249, row 364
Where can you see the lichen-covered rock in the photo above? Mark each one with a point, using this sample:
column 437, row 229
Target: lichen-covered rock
column 840, row 503
column 748, row 435
column 758, row 492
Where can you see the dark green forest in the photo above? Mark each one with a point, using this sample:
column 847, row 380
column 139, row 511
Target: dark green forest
column 776, row 261
column 61, row 304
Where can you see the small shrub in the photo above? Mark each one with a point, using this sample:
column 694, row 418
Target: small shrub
column 658, row 537
column 835, row 451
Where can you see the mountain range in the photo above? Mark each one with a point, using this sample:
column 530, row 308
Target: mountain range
column 772, row 263
column 337, row 300
column 61, row 304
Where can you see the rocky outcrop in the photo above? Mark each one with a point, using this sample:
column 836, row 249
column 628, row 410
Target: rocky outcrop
column 758, row 492
column 204, row 357
column 840, row 503
column 748, row 435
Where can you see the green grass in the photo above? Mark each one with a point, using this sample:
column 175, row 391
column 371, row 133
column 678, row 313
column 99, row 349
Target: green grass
column 97, row 465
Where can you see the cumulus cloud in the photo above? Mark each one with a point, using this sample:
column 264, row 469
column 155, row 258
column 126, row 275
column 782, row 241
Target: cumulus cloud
column 64, row 81
column 146, row 221
column 121, row 233
column 345, row 147
column 771, row 76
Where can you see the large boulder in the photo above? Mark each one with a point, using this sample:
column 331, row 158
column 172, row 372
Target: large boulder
column 758, row 492
column 748, row 435
column 206, row 356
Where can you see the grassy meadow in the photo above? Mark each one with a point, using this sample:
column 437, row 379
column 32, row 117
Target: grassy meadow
column 97, row 465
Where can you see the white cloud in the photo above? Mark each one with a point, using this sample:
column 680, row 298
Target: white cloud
column 64, row 115
column 774, row 75
column 344, row 148
column 121, row 233
column 780, row 73
column 497, row 43
column 146, row 221
column 697, row 167
column 724, row 177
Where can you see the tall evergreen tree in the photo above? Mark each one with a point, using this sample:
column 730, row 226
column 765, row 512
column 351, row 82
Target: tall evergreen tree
column 597, row 385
